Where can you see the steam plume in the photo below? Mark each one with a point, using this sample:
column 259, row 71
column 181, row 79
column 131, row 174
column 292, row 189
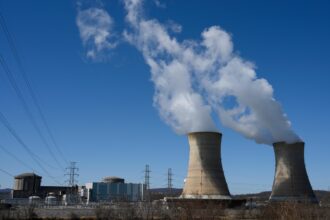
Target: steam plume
column 95, row 28
column 179, row 104
column 193, row 77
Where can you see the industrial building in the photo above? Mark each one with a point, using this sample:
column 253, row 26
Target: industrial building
column 6, row 194
column 291, row 182
column 205, row 178
column 29, row 184
column 114, row 189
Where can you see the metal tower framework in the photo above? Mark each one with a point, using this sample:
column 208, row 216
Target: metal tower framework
column 72, row 173
column 169, row 180
column 147, row 177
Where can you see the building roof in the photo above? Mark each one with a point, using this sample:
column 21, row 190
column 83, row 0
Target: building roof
column 113, row 179
column 23, row 175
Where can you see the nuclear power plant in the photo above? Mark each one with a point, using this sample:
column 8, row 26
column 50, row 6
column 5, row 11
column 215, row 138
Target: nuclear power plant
column 291, row 181
column 205, row 178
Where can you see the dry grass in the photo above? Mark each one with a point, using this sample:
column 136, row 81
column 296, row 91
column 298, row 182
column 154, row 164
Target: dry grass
column 27, row 212
column 147, row 210
column 292, row 210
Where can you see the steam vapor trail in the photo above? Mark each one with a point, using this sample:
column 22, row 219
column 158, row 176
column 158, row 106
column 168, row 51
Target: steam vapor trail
column 193, row 78
column 218, row 72
column 95, row 28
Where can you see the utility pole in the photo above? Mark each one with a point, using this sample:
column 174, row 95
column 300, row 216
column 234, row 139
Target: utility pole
column 147, row 181
column 169, row 181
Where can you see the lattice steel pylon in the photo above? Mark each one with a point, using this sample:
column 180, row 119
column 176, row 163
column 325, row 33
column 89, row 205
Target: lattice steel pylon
column 72, row 173
column 169, row 180
column 147, row 177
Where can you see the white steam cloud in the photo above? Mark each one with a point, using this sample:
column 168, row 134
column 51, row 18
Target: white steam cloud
column 193, row 78
column 179, row 104
column 95, row 26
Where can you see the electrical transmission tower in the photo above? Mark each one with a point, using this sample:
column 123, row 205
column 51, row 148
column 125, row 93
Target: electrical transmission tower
column 147, row 182
column 169, row 181
column 147, row 177
column 72, row 173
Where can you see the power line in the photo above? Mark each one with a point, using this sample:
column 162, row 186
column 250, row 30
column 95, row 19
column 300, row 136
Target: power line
column 26, row 108
column 14, row 50
column 16, row 158
column 21, row 161
column 9, row 174
column 6, row 123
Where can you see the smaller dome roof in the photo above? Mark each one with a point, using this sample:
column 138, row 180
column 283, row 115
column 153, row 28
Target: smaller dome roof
column 113, row 179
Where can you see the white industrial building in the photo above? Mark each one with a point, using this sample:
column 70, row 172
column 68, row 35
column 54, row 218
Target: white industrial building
column 113, row 189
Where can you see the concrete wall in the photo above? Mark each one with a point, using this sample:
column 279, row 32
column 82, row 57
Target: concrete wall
column 205, row 177
column 291, row 180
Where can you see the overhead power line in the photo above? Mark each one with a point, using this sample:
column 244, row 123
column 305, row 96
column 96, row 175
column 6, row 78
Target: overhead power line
column 16, row 158
column 26, row 108
column 22, row 162
column 6, row 123
column 14, row 50
column 6, row 172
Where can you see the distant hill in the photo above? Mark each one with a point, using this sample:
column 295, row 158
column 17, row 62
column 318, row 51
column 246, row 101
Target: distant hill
column 258, row 196
column 321, row 195
column 5, row 190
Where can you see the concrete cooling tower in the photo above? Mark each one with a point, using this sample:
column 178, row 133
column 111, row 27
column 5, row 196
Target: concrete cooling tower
column 205, row 179
column 291, row 181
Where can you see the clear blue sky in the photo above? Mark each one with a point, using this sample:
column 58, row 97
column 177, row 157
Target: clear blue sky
column 101, row 113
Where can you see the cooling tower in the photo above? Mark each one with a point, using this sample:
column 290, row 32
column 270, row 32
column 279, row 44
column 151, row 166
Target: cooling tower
column 205, row 179
column 291, row 181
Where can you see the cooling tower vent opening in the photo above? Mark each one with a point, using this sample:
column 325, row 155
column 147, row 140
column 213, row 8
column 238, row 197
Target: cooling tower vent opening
column 205, row 178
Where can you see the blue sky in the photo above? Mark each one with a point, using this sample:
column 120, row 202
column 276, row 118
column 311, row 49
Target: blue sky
column 102, row 114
